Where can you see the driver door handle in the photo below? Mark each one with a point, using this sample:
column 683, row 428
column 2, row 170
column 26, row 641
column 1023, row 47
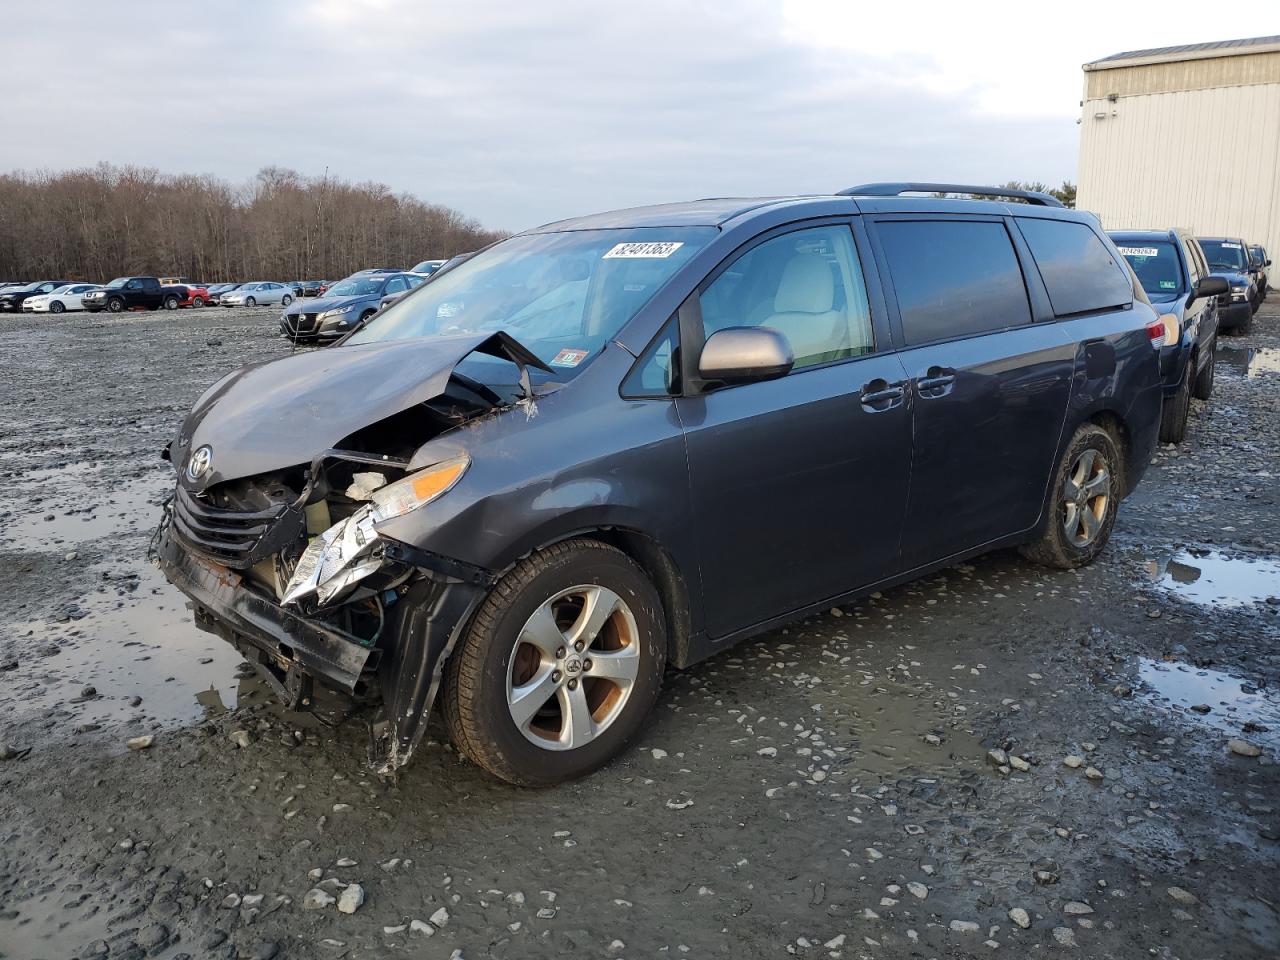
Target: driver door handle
column 937, row 382
column 879, row 395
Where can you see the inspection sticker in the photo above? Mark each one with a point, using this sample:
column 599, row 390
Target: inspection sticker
column 1168, row 284
column 569, row 358
column 1139, row 251
column 656, row 250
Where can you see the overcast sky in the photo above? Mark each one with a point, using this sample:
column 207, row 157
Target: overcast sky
column 518, row 113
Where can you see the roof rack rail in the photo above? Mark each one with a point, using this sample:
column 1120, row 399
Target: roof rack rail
column 896, row 189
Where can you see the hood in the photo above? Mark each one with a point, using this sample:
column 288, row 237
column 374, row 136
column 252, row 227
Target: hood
column 282, row 413
column 1238, row 276
column 325, row 304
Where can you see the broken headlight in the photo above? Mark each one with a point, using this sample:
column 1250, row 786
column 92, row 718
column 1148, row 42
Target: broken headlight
column 352, row 549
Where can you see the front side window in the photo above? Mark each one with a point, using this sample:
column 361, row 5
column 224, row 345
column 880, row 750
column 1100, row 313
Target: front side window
column 1079, row 272
column 562, row 295
column 807, row 285
column 953, row 278
column 1156, row 266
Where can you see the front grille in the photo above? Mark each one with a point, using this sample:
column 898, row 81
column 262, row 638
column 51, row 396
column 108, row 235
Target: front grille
column 236, row 538
column 307, row 322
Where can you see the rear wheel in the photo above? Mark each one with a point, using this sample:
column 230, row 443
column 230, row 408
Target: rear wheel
column 171, row 302
column 1203, row 389
column 1083, row 502
column 56, row 306
column 1173, row 416
column 559, row 668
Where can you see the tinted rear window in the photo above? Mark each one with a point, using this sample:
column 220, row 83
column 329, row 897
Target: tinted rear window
column 953, row 278
column 1078, row 270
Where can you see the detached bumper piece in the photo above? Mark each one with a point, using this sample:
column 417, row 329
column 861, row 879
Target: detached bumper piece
column 271, row 637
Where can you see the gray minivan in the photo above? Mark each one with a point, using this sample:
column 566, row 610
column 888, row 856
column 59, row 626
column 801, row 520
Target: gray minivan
column 621, row 443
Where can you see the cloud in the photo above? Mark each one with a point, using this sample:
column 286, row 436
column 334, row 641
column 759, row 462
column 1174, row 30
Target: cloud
column 523, row 113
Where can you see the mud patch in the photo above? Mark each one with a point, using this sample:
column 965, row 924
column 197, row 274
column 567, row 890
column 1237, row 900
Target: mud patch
column 1249, row 362
column 134, row 638
column 1211, row 578
column 1211, row 698
column 63, row 506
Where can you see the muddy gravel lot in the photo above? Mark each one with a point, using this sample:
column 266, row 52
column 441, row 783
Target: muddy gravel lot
column 1000, row 760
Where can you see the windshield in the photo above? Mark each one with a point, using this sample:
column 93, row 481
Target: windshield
column 427, row 266
column 1223, row 254
column 562, row 295
column 117, row 283
column 369, row 285
column 1156, row 264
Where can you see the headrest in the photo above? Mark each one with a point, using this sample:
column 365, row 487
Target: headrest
column 806, row 287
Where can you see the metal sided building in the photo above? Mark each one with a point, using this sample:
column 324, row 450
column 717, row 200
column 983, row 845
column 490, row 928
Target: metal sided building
column 1185, row 136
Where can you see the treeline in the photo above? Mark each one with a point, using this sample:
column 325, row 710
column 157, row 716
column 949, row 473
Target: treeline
column 95, row 224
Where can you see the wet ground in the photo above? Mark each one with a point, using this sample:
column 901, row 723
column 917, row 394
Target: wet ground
column 828, row 790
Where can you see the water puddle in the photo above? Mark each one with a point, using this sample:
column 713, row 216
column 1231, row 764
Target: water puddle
column 1212, row 698
column 1249, row 362
column 1211, row 578
column 136, row 639
column 70, row 508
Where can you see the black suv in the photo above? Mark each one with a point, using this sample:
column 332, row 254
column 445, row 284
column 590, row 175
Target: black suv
column 1229, row 259
column 1260, row 261
column 624, row 442
column 12, row 298
column 130, row 293
column 1173, row 271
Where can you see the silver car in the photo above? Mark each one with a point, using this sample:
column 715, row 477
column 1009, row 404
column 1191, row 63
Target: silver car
column 260, row 293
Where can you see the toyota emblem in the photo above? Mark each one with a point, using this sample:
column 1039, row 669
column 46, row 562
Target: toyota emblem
column 198, row 463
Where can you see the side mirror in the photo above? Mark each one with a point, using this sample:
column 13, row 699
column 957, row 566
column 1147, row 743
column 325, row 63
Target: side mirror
column 745, row 355
column 1212, row 287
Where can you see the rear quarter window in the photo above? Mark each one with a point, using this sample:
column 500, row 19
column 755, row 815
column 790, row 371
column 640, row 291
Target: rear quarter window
column 1078, row 270
column 953, row 278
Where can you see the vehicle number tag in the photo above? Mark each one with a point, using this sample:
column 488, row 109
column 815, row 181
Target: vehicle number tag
column 1139, row 251
column 656, row 250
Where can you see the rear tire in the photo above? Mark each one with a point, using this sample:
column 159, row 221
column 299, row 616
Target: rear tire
column 1083, row 501
column 522, row 700
column 1173, row 416
column 1203, row 389
column 171, row 302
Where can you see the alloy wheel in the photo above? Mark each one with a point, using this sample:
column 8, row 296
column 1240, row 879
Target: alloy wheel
column 573, row 667
column 1085, row 497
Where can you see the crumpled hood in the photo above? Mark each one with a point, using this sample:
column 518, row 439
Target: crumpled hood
column 324, row 304
column 281, row 413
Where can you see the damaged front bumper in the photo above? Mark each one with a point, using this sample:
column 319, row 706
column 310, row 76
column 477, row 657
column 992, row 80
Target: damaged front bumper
column 404, row 667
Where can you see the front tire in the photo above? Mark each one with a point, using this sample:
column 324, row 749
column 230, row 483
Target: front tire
column 115, row 306
column 197, row 301
column 251, row 302
column 56, row 307
column 560, row 666
column 1083, row 502
column 1173, row 416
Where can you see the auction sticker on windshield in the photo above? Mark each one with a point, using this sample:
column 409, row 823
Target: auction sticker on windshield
column 1139, row 251
column 569, row 358
column 655, row 250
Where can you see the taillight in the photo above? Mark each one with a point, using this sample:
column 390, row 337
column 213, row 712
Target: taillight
column 1155, row 332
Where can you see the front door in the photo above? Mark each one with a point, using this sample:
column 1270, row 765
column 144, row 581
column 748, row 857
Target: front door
column 798, row 484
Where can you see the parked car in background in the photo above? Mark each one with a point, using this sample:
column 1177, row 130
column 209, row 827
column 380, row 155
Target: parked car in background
column 625, row 442
column 1229, row 259
column 67, row 297
column 259, row 293
column 178, row 282
column 427, row 267
column 361, row 273
column 314, row 288
column 296, row 287
column 128, row 293
column 12, row 298
column 218, row 289
column 1260, row 260
column 1173, row 271
column 189, row 295
column 344, row 306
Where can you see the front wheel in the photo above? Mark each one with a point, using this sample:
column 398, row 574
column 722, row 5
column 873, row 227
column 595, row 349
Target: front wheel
column 56, row 307
column 286, row 300
column 115, row 306
column 560, row 667
column 251, row 302
column 1173, row 416
column 197, row 301
column 1083, row 502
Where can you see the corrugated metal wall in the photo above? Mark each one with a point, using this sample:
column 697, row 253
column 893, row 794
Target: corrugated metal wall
column 1207, row 160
